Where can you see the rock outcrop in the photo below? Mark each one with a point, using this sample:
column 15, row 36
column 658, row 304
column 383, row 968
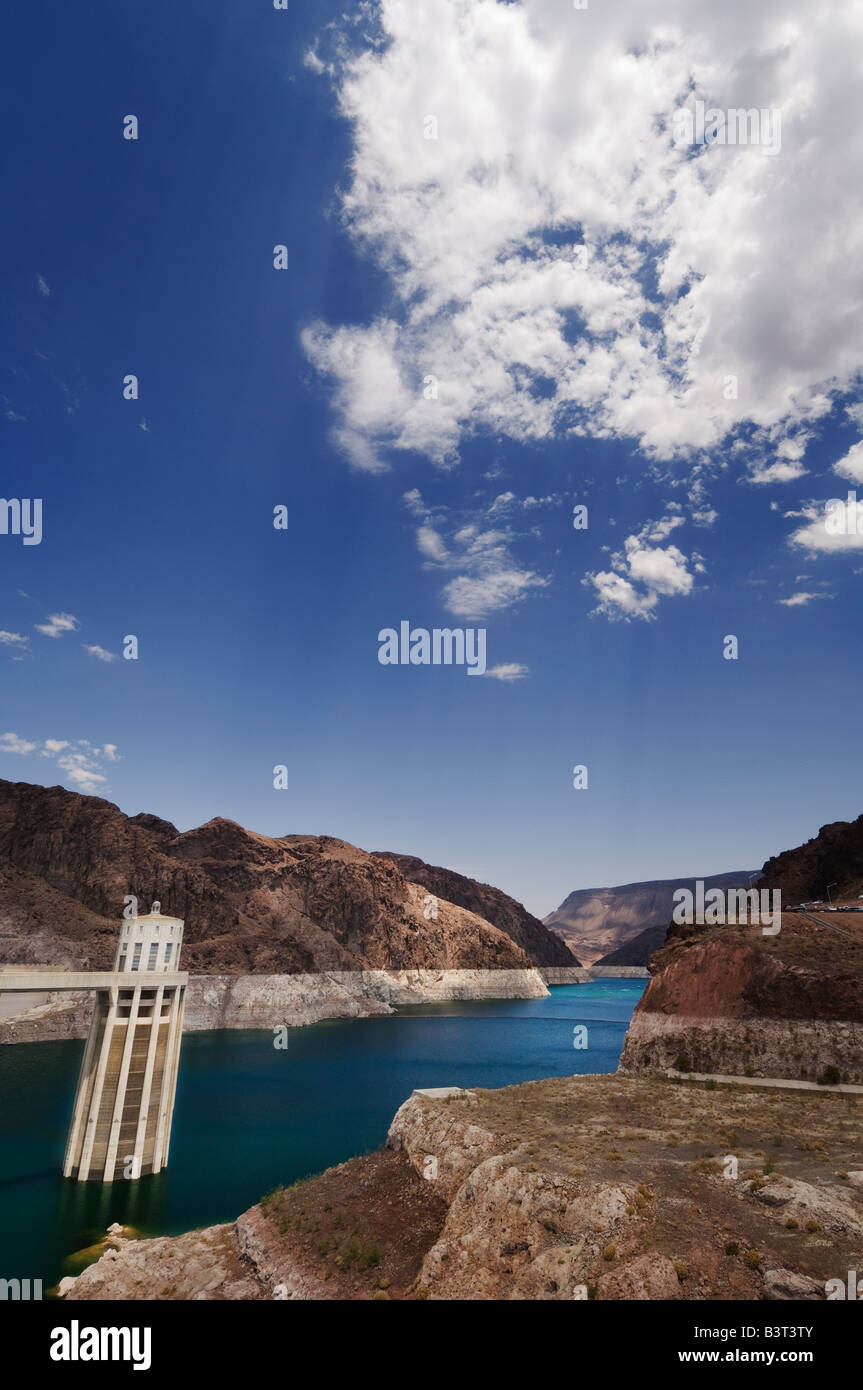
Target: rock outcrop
column 590, row 1187
column 538, row 943
column 253, row 904
column 730, row 1000
column 831, row 864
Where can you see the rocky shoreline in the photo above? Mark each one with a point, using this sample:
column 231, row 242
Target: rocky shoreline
column 268, row 1001
column 584, row 1187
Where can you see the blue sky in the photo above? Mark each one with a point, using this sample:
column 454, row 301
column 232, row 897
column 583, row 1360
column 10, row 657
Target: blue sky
column 261, row 387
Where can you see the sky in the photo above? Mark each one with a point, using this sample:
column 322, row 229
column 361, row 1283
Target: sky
column 516, row 285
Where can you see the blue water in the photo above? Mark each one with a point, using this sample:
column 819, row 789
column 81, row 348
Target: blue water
column 249, row 1117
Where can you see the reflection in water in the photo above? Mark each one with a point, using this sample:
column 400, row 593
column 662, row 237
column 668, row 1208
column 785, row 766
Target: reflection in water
column 89, row 1208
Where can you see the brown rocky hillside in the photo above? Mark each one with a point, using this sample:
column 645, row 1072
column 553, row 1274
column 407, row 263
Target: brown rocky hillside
column 252, row 903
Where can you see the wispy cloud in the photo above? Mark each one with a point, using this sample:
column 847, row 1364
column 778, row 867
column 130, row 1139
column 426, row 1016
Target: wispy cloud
column 478, row 548
column 42, row 286
column 100, row 652
column 508, row 671
column 57, row 624
column 800, row 600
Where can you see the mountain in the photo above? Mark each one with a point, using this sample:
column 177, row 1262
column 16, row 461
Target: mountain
column 832, row 861
column 528, row 932
column 638, row 950
column 595, row 922
column 253, row 904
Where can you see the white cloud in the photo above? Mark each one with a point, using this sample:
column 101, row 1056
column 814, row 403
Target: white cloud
column 508, row 671
column 478, row 549
column 43, row 287
column 12, row 639
column 780, row 472
column 801, row 600
column 851, row 466
column 845, row 533
column 53, row 746
column 82, row 763
column 489, row 590
column 82, row 771
column 698, row 266
column 430, row 543
column 11, row 743
column 100, row 652
column 57, row 624
column 642, row 573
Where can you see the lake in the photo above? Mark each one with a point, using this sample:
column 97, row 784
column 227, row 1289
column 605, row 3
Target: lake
column 249, row 1116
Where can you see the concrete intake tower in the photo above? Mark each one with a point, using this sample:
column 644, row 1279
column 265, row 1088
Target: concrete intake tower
column 124, row 1105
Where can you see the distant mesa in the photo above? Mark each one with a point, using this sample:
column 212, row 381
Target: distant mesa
column 626, row 924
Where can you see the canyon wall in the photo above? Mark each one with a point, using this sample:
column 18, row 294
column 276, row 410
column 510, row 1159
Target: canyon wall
column 729, row 1000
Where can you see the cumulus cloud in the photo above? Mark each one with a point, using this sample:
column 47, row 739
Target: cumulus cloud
column 12, row 639
column 642, row 573
column 77, row 758
column 11, row 743
column 851, row 466
column 57, row 624
column 82, row 771
column 53, row 746
column 100, row 653
column 560, row 265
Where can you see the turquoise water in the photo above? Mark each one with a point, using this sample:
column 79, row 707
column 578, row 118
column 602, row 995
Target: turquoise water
column 249, row 1117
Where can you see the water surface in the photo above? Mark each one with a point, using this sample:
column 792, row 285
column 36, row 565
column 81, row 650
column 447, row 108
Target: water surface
column 249, row 1117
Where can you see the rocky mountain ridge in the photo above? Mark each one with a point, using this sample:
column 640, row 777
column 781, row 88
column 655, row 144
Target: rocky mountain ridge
column 253, row 904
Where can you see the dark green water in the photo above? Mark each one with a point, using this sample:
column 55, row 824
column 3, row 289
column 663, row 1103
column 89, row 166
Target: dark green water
column 249, row 1117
